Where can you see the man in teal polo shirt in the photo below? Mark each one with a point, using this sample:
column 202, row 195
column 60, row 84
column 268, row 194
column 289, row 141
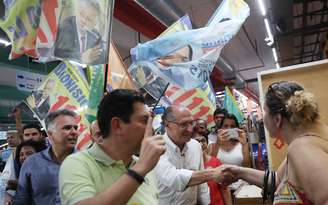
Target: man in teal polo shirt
column 108, row 173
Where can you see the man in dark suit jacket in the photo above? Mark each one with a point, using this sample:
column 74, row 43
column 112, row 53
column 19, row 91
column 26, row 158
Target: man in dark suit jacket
column 77, row 38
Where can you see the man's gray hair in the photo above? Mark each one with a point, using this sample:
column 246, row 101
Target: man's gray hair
column 50, row 119
column 169, row 114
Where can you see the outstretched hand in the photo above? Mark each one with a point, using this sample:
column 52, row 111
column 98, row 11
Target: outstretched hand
column 229, row 174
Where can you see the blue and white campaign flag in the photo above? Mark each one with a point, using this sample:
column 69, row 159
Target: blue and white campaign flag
column 186, row 58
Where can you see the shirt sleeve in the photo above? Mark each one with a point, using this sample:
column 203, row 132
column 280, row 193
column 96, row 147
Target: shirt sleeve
column 212, row 138
column 170, row 176
column 75, row 183
column 23, row 194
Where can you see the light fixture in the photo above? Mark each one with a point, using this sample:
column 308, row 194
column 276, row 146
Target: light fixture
column 275, row 55
column 267, row 27
column 5, row 42
column 262, row 7
column 277, row 65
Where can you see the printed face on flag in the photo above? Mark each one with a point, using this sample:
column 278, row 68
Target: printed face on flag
column 82, row 34
column 180, row 56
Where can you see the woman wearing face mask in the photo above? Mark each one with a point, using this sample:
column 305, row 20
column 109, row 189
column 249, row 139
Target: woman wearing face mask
column 292, row 114
column 230, row 149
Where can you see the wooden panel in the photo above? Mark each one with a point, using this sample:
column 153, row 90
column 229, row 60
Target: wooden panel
column 314, row 78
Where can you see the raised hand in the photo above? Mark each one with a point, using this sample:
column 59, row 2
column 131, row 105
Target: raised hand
column 152, row 147
column 242, row 136
column 222, row 135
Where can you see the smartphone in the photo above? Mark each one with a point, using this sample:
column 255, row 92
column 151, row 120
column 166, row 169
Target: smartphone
column 233, row 133
column 159, row 110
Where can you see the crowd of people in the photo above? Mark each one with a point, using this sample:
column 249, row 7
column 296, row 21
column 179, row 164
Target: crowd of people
column 189, row 164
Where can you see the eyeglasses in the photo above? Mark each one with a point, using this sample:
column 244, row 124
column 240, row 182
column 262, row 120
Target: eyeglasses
column 184, row 125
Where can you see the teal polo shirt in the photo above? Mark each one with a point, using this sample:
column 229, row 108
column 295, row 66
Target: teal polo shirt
column 87, row 173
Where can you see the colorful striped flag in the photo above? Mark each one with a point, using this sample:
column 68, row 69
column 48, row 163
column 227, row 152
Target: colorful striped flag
column 231, row 105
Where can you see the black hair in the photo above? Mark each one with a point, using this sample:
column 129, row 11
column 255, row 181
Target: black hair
column 220, row 111
column 53, row 115
column 37, row 146
column 230, row 117
column 32, row 125
column 118, row 103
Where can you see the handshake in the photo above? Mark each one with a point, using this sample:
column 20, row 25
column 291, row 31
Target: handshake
column 225, row 174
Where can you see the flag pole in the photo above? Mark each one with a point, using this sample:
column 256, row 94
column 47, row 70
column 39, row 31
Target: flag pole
column 162, row 94
column 106, row 75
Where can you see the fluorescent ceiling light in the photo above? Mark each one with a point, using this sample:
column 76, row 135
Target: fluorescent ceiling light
column 4, row 42
column 262, row 7
column 267, row 27
column 275, row 55
column 277, row 65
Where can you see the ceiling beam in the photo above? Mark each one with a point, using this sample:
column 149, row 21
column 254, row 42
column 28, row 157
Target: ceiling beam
column 133, row 15
column 302, row 1
column 307, row 29
column 313, row 13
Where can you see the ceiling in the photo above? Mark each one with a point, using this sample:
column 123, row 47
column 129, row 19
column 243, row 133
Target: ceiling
column 299, row 29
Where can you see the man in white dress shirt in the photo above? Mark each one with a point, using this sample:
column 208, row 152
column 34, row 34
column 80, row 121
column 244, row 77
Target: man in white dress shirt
column 180, row 171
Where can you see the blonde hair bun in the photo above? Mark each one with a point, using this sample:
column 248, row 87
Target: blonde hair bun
column 302, row 108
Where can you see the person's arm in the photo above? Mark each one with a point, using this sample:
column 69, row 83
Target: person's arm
column 18, row 121
column 226, row 195
column 23, row 194
column 214, row 141
column 180, row 179
column 245, row 148
column 310, row 163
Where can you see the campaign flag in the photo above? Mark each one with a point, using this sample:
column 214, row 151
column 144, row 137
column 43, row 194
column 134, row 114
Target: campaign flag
column 186, row 58
column 83, row 32
column 70, row 87
column 20, row 23
column 231, row 105
column 200, row 101
column 117, row 76
column 77, row 30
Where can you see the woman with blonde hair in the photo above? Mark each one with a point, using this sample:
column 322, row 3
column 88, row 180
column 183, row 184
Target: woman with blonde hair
column 292, row 114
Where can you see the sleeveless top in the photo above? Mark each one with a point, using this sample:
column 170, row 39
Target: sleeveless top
column 234, row 156
column 287, row 193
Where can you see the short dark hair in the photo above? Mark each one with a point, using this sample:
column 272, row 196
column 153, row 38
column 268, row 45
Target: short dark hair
column 32, row 125
column 230, row 117
column 37, row 146
column 220, row 111
column 118, row 103
column 53, row 115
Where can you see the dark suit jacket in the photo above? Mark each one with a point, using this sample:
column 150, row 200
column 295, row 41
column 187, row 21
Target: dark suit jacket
column 67, row 44
column 41, row 109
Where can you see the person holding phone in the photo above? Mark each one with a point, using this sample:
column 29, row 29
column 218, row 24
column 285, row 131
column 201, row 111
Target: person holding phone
column 229, row 143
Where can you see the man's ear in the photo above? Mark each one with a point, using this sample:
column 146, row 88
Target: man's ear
column 50, row 133
column 116, row 126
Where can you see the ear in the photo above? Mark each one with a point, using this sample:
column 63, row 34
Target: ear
column 278, row 119
column 116, row 126
column 50, row 135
